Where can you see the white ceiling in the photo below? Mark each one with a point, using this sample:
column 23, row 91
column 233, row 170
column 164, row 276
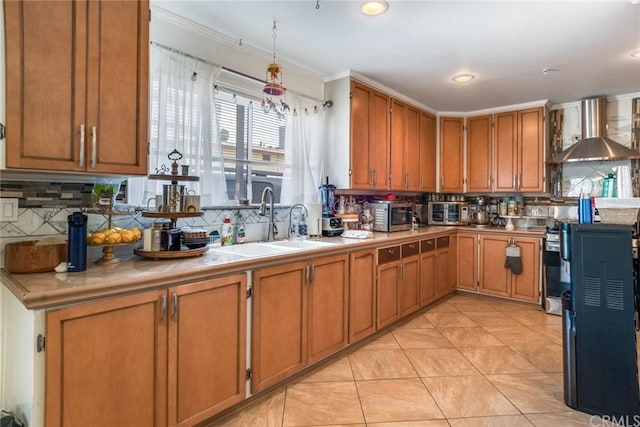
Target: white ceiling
column 417, row 46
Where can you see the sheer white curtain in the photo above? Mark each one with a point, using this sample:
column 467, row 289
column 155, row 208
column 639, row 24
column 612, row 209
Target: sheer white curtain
column 182, row 117
column 303, row 152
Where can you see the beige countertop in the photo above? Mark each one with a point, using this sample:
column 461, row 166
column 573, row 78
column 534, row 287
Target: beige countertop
column 135, row 274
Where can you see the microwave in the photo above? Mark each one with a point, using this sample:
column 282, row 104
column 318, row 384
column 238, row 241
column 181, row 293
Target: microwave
column 447, row 213
column 392, row 216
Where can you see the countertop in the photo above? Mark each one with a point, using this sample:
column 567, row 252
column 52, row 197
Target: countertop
column 135, row 274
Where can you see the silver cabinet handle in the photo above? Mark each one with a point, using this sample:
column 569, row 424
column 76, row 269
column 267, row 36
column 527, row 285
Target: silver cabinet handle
column 163, row 308
column 93, row 148
column 82, row 145
column 375, row 177
column 514, row 181
column 371, row 177
column 174, row 313
column 307, row 274
column 519, row 181
column 406, row 180
column 312, row 274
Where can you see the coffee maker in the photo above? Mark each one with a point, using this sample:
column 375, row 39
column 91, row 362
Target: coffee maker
column 331, row 226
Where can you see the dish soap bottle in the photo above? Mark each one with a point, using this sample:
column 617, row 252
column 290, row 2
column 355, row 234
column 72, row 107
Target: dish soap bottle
column 240, row 235
column 227, row 232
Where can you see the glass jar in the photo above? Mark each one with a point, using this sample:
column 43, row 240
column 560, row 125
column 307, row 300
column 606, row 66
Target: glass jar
column 512, row 208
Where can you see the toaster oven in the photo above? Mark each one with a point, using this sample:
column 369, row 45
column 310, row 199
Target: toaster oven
column 447, row 213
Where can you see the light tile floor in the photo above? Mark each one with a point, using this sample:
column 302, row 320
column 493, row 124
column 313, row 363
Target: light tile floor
column 467, row 361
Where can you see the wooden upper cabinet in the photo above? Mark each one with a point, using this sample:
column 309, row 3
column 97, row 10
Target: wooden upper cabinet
column 519, row 151
column 405, row 143
column 77, row 78
column 369, row 138
column 531, row 145
column 479, row 153
column 427, row 152
column 451, row 152
column 398, row 125
column 505, row 163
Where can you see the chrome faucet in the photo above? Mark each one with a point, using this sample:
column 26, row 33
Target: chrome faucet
column 293, row 232
column 272, row 231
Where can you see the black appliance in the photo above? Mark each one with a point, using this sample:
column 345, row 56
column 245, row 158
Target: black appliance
column 599, row 336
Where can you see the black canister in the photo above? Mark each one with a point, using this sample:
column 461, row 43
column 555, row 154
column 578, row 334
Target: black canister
column 77, row 246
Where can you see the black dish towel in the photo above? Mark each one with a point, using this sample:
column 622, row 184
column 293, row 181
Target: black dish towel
column 513, row 260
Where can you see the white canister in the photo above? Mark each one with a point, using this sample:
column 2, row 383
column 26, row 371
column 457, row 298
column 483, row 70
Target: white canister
column 623, row 182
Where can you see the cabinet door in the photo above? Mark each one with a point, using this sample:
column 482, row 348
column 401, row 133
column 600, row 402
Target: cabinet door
column 379, row 140
column 427, row 152
column 505, row 163
column 451, row 154
column 410, row 285
column 279, row 312
column 443, row 285
column 107, row 362
column 479, row 153
column 388, row 276
column 396, row 149
column 328, row 293
column 412, row 149
column 427, row 277
column 494, row 277
column 45, row 70
column 361, row 170
column 117, row 87
column 525, row 286
column 453, row 262
column 207, row 329
column 531, row 145
column 467, row 261
column 362, row 294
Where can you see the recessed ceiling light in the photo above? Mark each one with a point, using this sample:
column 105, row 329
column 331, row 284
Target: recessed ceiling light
column 463, row 78
column 374, row 8
column 635, row 54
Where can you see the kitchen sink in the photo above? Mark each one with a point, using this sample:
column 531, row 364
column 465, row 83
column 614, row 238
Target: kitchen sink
column 299, row 244
column 253, row 250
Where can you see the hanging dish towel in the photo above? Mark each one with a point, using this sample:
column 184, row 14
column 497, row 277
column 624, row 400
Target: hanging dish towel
column 513, row 260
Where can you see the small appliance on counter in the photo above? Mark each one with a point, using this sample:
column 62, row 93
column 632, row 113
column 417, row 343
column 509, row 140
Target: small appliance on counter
column 392, row 216
column 447, row 213
column 332, row 227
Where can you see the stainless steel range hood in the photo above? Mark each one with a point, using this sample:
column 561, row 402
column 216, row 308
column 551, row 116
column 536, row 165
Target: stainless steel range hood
column 594, row 145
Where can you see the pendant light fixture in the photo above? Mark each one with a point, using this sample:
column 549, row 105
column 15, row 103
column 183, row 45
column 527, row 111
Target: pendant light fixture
column 274, row 89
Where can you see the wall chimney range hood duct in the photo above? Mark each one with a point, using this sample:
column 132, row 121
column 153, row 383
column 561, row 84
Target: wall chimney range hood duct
column 594, row 145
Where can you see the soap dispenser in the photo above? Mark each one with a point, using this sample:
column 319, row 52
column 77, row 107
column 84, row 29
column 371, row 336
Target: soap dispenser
column 227, row 232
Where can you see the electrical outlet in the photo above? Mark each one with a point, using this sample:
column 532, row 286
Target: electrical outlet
column 8, row 210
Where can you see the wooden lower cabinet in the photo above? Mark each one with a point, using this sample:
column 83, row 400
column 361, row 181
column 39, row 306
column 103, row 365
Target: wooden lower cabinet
column 410, row 279
column 427, row 271
column 299, row 316
column 495, row 279
column 467, row 261
column 107, row 362
column 388, row 287
column 167, row 357
column 207, row 342
column 362, row 294
column 443, row 267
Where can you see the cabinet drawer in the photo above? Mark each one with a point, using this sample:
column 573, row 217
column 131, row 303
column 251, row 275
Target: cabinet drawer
column 392, row 253
column 442, row 242
column 410, row 249
column 428, row 245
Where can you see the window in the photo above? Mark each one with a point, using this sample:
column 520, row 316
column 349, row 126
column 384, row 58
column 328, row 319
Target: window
column 252, row 145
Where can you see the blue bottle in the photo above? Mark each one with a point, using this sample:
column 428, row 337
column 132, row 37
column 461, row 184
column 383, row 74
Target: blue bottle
column 584, row 210
column 77, row 245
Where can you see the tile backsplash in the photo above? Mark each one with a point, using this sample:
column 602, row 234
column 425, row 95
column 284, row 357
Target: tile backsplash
column 44, row 208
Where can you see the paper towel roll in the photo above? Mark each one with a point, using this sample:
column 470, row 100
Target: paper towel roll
column 623, row 182
column 314, row 222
